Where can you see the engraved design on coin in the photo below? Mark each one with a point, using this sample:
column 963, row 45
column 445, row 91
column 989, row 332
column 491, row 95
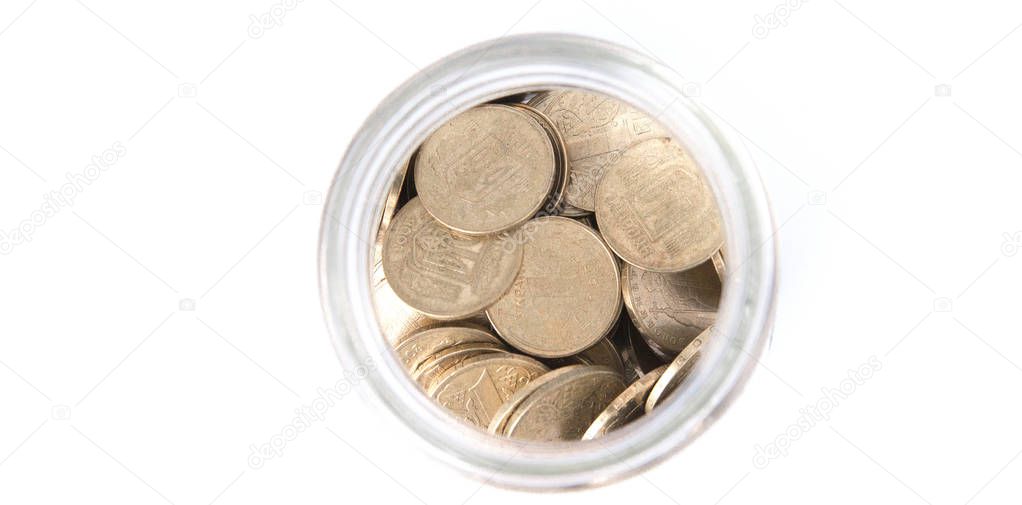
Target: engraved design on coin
column 397, row 319
column 567, row 294
column 671, row 309
column 498, row 424
column 442, row 274
column 475, row 391
column 596, row 130
column 656, row 211
column 486, row 170
column 563, row 408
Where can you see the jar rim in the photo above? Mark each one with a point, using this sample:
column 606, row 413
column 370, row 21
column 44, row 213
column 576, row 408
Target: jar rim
column 484, row 72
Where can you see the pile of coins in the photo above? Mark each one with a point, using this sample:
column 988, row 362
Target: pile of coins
column 509, row 245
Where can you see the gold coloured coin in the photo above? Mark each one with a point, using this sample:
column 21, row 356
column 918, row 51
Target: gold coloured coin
column 418, row 347
column 499, row 422
column 567, row 293
column 656, row 211
column 676, row 372
column 671, row 309
column 555, row 204
column 438, row 364
column 596, row 129
column 475, row 391
column 396, row 317
column 627, row 407
column 563, row 408
column 719, row 265
column 442, row 274
column 391, row 204
column 486, row 170
column 445, row 352
column 602, row 353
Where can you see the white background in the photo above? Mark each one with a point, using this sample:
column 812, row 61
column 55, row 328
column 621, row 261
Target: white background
column 891, row 201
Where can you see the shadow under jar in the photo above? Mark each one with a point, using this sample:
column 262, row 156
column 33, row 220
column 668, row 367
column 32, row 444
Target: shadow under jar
column 371, row 182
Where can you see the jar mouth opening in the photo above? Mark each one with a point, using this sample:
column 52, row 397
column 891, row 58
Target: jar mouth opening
column 486, row 72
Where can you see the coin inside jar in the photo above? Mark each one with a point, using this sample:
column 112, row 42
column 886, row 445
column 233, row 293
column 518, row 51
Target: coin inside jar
column 671, row 309
column 498, row 424
column 596, row 130
column 566, row 295
column 435, row 366
column 555, row 204
column 603, row 352
column 418, row 347
column 677, row 371
column 563, row 408
column 627, row 407
column 486, row 170
column 441, row 273
column 397, row 319
column 656, row 211
column 476, row 390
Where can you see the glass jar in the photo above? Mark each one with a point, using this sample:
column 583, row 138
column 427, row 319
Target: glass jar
column 482, row 73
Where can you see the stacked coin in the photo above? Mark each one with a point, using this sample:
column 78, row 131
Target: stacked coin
column 512, row 240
